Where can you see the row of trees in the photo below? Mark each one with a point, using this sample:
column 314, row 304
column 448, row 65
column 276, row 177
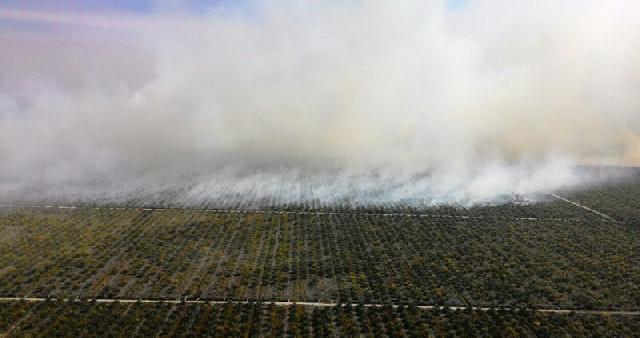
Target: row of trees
column 620, row 201
column 342, row 257
column 58, row 319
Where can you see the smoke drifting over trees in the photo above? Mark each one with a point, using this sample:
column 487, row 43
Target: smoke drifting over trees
column 376, row 101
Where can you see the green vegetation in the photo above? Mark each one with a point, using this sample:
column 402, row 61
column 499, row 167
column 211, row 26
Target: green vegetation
column 55, row 319
column 512, row 258
column 346, row 257
column 620, row 201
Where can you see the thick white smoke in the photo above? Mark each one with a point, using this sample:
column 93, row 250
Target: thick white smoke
column 292, row 101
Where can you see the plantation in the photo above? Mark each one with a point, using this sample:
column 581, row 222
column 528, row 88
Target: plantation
column 345, row 257
column 53, row 319
column 620, row 201
column 511, row 260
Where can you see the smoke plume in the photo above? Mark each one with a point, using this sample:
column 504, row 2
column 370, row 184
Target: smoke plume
column 361, row 102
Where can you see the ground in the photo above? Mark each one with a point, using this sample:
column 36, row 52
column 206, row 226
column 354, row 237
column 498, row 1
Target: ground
column 487, row 270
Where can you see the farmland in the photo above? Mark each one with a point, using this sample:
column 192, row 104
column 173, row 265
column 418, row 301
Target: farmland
column 51, row 319
column 512, row 260
column 620, row 201
column 320, row 257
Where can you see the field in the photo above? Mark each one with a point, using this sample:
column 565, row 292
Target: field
column 484, row 270
column 51, row 319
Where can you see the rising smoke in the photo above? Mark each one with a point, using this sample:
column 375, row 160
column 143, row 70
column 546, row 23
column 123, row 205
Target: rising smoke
column 369, row 102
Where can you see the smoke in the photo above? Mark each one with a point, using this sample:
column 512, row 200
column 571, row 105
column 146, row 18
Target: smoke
column 370, row 102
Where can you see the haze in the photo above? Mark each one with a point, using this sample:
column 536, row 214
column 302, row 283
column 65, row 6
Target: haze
column 375, row 102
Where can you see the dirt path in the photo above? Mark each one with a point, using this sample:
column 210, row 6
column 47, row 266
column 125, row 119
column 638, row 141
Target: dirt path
column 584, row 207
column 313, row 304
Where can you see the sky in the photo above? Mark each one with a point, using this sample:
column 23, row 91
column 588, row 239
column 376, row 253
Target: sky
column 139, row 6
column 135, row 6
column 32, row 14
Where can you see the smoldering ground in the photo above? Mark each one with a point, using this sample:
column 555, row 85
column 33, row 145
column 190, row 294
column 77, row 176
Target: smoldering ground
column 372, row 102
